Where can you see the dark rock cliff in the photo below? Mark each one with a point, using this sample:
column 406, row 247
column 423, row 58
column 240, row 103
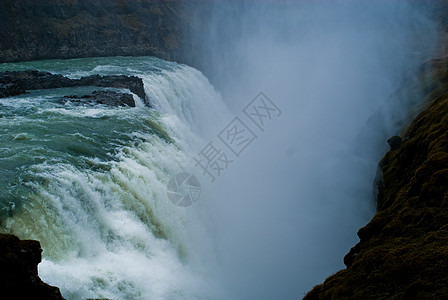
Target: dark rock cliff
column 403, row 250
column 19, row 278
column 31, row 30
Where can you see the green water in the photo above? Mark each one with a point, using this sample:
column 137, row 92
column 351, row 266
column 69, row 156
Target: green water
column 89, row 181
column 79, row 67
column 42, row 127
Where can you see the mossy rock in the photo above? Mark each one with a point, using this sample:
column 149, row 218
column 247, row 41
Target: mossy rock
column 403, row 250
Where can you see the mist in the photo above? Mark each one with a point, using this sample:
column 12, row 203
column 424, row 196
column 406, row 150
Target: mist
column 285, row 212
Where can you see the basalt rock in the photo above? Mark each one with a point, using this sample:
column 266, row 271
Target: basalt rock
column 105, row 97
column 31, row 30
column 10, row 89
column 19, row 277
column 17, row 82
column 133, row 83
column 34, row 80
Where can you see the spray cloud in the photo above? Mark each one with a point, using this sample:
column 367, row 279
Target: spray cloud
column 287, row 212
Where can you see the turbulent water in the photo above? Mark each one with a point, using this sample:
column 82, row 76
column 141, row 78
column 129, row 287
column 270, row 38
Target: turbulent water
column 89, row 181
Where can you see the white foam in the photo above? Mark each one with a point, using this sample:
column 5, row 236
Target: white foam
column 110, row 232
column 187, row 94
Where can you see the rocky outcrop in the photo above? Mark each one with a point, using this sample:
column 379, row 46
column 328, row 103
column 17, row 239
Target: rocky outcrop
column 17, row 82
column 9, row 89
column 19, row 278
column 403, row 250
column 106, row 98
column 395, row 142
column 133, row 83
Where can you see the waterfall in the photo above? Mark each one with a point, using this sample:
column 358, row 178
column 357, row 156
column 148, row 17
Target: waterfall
column 91, row 185
column 90, row 181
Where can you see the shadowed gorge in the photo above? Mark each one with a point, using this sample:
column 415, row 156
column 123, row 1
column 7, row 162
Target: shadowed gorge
column 216, row 150
column 403, row 250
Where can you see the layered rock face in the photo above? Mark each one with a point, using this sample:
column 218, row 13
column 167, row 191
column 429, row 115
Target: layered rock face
column 403, row 251
column 33, row 30
column 18, row 270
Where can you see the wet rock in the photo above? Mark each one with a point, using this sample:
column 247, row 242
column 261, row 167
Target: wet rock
column 106, row 97
column 133, row 83
column 10, row 89
column 34, row 80
column 17, row 82
column 394, row 142
column 18, row 270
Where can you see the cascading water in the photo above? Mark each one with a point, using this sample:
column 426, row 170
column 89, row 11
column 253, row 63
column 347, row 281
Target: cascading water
column 89, row 182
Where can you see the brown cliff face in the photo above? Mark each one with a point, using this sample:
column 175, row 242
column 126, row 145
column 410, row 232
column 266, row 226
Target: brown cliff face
column 403, row 251
column 19, row 278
